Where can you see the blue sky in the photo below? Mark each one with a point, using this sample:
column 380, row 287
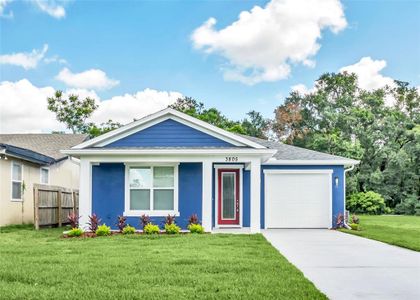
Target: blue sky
column 149, row 45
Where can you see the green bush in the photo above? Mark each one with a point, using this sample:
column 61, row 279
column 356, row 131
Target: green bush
column 75, row 232
column 354, row 226
column 196, row 228
column 151, row 229
column 172, row 228
column 367, row 203
column 129, row 230
column 103, row 230
column 409, row 206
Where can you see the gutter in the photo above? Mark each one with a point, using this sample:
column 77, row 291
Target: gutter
column 345, row 171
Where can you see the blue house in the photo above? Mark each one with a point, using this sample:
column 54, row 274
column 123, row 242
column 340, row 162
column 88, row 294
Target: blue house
column 172, row 163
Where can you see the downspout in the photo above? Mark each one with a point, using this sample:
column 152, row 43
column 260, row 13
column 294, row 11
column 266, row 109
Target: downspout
column 344, row 189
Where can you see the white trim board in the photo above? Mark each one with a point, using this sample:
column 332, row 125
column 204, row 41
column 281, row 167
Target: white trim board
column 162, row 115
column 311, row 162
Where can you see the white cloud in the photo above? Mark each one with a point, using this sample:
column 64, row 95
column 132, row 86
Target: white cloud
column 23, row 106
column 127, row 107
column 55, row 59
column 302, row 89
column 26, row 60
column 264, row 42
column 368, row 73
column 89, row 79
column 3, row 4
column 51, row 7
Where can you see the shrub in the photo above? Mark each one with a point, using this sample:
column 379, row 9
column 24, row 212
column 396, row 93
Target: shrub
column 75, row 232
column 73, row 220
column 170, row 220
column 355, row 219
column 103, row 230
column 93, row 223
column 144, row 220
column 172, row 228
column 354, row 226
column 151, row 229
column 121, row 223
column 367, row 203
column 193, row 219
column 409, row 206
column 195, row 228
column 128, row 230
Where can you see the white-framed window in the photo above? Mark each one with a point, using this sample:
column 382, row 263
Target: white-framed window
column 44, row 175
column 17, row 181
column 151, row 190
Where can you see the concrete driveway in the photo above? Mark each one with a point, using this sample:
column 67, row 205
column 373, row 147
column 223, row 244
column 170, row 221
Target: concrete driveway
column 345, row 266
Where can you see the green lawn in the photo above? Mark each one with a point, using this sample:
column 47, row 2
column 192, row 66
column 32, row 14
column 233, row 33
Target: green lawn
column 42, row 265
column 403, row 231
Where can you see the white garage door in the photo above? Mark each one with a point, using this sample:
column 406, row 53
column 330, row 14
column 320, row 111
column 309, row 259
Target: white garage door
column 298, row 198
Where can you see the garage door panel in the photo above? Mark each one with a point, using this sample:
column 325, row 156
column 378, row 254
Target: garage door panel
column 298, row 200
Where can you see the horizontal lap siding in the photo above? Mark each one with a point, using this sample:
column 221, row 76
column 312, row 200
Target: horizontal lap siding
column 108, row 194
column 337, row 191
column 169, row 133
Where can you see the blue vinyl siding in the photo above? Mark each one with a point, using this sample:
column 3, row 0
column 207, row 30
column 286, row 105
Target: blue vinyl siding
column 337, row 191
column 169, row 133
column 246, row 198
column 108, row 194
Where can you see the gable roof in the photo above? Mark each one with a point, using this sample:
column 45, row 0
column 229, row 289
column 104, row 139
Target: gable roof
column 47, row 145
column 288, row 154
column 163, row 115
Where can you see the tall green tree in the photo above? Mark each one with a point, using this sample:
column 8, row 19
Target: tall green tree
column 340, row 118
column 256, row 125
column 74, row 113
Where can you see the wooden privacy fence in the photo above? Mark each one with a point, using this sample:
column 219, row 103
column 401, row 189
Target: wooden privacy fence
column 52, row 205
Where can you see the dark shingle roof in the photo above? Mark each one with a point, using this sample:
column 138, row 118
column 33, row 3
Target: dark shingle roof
column 289, row 152
column 48, row 144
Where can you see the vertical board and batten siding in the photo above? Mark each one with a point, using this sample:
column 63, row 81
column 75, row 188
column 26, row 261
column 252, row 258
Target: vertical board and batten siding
column 108, row 192
column 169, row 133
column 246, row 197
column 337, row 191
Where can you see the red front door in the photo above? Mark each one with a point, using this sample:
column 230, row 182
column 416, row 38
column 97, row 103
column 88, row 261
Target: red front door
column 228, row 196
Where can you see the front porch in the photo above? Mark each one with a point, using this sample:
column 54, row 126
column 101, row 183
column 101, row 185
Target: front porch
column 196, row 189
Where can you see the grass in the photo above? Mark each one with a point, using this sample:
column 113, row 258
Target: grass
column 403, row 231
column 42, row 265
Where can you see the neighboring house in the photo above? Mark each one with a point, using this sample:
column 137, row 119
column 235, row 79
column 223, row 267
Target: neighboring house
column 26, row 159
column 172, row 163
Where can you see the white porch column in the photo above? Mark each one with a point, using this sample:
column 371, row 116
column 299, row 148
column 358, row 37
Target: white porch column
column 85, row 197
column 255, row 195
column 207, row 195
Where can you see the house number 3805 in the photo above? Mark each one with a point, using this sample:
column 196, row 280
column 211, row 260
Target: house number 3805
column 231, row 158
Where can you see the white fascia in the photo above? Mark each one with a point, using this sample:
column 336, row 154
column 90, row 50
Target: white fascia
column 296, row 162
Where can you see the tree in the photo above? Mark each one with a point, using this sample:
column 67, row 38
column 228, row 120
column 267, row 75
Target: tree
column 74, row 113
column 340, row 118
column 255, row 126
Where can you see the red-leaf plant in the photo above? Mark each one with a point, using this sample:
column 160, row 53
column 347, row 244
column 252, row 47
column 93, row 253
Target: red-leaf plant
column 93, row 223
column 144, row 220
column 193, row 219
column 73, row 219
column 121, row 222
column 170, row 220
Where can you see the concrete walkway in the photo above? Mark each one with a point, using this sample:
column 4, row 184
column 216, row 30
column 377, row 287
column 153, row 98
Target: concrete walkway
column 345, row 266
